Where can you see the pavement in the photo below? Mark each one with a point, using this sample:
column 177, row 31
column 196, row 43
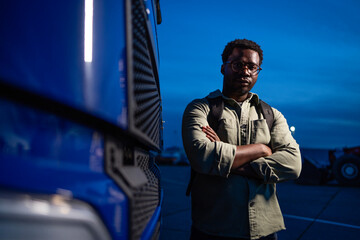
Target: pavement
column 311, row 212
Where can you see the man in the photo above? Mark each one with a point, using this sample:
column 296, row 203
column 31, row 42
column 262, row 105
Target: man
column 238, row 165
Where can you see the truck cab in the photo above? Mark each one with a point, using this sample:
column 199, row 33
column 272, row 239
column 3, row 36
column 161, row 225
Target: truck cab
column 81, row 119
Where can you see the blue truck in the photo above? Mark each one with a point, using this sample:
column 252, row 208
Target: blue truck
column 80, row 119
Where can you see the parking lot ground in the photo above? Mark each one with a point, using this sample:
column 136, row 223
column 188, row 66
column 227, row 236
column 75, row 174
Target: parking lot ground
column 310, row 212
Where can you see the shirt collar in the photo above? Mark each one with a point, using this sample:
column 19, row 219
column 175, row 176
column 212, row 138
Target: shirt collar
column 253, row 97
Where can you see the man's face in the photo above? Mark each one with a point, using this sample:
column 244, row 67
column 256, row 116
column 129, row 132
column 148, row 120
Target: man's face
column 237, row 84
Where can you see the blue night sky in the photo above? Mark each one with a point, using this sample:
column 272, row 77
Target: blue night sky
column 310, row 69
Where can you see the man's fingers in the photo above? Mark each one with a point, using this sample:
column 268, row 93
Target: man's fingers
column 210, row 133
column 210, row 138
column 209, row 129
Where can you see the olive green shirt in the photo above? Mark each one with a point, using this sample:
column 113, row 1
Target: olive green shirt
column 230, row 205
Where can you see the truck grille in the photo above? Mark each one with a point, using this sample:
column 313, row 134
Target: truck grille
column 146, row 198
column 139, row 179
column 146, row 90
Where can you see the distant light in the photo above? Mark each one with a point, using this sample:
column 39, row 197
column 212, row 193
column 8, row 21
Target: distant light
column 292, row 129
column 88, row 31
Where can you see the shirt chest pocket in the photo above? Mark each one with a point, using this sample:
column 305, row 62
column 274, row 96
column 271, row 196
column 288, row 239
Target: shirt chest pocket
column 227, row 130
column 259, row 132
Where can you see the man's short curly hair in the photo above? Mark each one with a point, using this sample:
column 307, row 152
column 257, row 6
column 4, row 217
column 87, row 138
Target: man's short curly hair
column 241, row 43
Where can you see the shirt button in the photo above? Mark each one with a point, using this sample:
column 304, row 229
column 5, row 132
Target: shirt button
column 252, row 204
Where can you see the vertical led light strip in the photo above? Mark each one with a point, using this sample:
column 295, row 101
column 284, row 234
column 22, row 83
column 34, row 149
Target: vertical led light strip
column 88, row 31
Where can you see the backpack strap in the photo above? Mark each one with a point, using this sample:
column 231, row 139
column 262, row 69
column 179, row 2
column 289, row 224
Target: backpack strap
column 216, row 106
column 268, row 113
column 192, row 178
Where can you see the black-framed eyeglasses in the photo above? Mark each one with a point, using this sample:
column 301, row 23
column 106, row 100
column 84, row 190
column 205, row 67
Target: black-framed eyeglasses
column 238, row 66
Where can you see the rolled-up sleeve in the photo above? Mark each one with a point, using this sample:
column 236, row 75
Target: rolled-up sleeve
column 285, row 162
column 206, row 157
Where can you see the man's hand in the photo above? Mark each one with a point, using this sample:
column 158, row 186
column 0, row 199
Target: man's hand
column 210, row 134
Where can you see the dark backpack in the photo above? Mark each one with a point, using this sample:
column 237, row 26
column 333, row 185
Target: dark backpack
column 216, row 109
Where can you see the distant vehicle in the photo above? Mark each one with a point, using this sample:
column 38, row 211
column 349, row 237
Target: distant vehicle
column 343, row 165
column 80, row 120
column 172, row 156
